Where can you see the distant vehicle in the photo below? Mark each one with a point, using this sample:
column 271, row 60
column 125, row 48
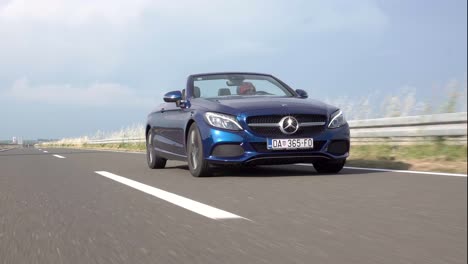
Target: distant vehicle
column 245, row 119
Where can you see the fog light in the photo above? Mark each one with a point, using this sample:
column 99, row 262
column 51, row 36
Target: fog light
column 227, row 150
column 338, row 147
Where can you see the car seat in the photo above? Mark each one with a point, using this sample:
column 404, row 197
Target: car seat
column 196, row 92
column 224, row 92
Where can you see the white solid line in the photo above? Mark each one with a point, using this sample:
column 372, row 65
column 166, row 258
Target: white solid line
column 399, row 171
column 409, row 171
column 58, row 156
column 194, row 206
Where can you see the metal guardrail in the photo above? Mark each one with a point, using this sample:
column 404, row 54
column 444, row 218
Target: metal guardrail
column 438, row 125
column 405, row 129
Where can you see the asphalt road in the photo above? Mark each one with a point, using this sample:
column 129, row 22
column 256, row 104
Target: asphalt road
column 58, row 209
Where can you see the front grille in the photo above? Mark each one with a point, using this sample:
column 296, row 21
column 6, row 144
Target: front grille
column 276, row 118
column 262, row 147
column 275, row 131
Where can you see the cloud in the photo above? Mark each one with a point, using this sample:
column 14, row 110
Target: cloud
column 243, row 14
column 75, row 41
column 353, row 16
column 95, row 94
column 98, row 33
column 73, row 12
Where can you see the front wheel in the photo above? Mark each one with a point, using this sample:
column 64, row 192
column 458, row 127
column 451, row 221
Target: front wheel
column 329, row 166
column 154, row 161
column 198, row 166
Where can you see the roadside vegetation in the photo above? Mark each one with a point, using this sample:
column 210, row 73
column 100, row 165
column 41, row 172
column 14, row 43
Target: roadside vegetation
column 119, row 146
column 436, row 156
column 140, row 146
column 406, row 101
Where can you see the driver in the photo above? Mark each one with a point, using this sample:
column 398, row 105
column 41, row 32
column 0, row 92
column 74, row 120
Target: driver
column 246, row 88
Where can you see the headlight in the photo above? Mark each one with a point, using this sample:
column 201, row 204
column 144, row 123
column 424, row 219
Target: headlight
column 222, row 121
column 337, row 120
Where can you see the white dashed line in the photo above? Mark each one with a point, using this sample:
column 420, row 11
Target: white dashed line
column 45, row 151
column 194, row 206
column 399, row 171
column 1, row 150
column 58, row 156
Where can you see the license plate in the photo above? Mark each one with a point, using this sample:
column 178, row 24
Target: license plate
column 290, row 143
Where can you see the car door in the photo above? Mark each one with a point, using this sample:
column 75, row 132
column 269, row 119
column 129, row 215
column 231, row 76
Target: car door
column 169, row 131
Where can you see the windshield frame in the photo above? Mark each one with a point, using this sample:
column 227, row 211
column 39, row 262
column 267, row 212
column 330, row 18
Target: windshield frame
column 192, row 78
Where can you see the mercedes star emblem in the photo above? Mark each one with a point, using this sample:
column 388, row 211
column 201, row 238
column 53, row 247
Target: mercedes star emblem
column 288, row 125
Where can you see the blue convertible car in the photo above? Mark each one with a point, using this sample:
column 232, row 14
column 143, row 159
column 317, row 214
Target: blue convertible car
column 245, row 119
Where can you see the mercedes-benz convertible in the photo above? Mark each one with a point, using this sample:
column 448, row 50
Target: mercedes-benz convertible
column 245, row 119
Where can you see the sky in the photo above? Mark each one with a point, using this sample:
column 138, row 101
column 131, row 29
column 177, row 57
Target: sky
column 72, row 67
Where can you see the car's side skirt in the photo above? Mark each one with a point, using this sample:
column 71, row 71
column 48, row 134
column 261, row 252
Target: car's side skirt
column 170, row 155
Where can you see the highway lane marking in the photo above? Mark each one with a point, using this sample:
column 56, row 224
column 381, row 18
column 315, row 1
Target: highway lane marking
column 58, row 156
column 4, row 150
column 399, row 171
column 191, row 205
column 351, row 168
column 45, row 151
column 409, row 171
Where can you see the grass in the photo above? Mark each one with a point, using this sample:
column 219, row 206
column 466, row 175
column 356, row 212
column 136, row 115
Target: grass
column 116, row 146
column 436, row 156
column 119, row 146
column 437, row 151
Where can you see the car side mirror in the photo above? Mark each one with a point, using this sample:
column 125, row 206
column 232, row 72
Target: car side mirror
column 302, row 93
column 173, row 97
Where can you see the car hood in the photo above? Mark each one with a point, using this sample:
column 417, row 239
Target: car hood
column 263, row 105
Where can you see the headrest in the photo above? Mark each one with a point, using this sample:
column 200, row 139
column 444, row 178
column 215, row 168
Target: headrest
column 224, row 92
column 196, row 91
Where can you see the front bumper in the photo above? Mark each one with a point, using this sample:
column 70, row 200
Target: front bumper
column 243, row 147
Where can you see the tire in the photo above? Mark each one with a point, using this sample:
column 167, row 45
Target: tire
column 198, row 166
column 334, row 166
column 152, row 158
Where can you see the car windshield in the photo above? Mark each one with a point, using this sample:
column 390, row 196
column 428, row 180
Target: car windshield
column 237, row 85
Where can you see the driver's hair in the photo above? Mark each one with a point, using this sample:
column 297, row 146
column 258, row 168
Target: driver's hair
column 246, row 88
